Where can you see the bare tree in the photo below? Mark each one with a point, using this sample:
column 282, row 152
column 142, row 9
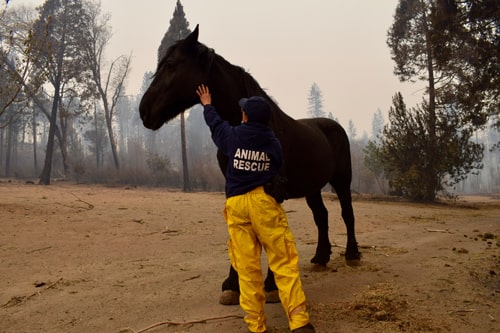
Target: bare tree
column 109, row 82
column 19, row 78
column 58, row 35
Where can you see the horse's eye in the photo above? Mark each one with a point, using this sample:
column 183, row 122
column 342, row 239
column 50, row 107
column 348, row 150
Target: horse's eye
column 170, row 64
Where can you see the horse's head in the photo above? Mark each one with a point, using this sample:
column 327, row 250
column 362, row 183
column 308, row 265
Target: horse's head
column 173, row 89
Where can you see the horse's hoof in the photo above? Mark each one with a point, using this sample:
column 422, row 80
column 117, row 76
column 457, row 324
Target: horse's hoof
column 319, row 268
column 229, row 297
column 353, row 262
column 272, row 296
column 320, row 260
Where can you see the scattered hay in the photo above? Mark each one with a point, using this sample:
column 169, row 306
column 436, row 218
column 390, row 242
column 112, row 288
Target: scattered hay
column 381, row 308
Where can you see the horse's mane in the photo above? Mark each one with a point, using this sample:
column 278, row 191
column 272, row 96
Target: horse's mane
column 250, row 84
column 201, row 50
column 253, row 88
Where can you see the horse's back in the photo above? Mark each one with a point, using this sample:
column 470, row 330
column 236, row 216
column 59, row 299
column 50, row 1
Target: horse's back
column 332, row 130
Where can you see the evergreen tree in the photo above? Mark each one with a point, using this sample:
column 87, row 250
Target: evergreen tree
column 352, row 132
column 377, row 124
column 178, row 29
column 466, row 46
column 332, row 117
column 411, row 48
column 413, row 40
column 373, row 162
column 315, row 100
column 405, row 147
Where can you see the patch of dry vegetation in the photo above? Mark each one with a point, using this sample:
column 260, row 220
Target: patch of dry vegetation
column 381, row 308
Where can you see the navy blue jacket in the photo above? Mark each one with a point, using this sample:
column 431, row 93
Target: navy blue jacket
column 253, row 151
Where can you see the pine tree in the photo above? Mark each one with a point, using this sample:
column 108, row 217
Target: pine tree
column 373, row 162
column 315, row 100
column 352, row 132
column 414, row 41
column 466, row 43
column 178, row 29
column 377, row 124
column 405, row 148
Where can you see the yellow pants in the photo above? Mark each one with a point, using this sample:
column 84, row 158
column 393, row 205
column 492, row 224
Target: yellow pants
column 256, row 220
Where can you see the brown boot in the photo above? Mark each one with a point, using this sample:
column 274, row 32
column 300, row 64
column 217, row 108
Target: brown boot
column 309, row 328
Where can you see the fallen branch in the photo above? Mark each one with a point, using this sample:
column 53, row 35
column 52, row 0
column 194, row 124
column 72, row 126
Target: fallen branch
column 41, row 249
column 191, row 278
column 201, row 321
column 90, row 206
column 170, row 231
column 23, row 299
column 437, row 230
column 463, row 311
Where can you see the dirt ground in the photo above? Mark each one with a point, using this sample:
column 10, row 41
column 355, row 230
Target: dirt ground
column 83, row 258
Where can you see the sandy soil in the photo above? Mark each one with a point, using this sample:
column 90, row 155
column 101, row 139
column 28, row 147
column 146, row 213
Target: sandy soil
column 80, row 258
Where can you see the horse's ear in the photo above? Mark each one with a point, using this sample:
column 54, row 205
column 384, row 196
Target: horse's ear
column 193, row 37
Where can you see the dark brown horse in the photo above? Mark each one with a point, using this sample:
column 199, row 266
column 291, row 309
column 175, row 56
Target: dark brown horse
column 316, row 151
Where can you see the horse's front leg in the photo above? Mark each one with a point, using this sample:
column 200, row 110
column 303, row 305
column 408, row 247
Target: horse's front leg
column 230, row 289
column 320, row 214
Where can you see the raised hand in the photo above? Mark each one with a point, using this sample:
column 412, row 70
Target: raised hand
column 204, row 93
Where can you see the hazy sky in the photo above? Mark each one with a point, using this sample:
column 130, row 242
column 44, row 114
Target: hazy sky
column 285, row 45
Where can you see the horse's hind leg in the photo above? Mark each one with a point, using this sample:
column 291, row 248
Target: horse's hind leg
column 320, row 214
column 343, row 189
